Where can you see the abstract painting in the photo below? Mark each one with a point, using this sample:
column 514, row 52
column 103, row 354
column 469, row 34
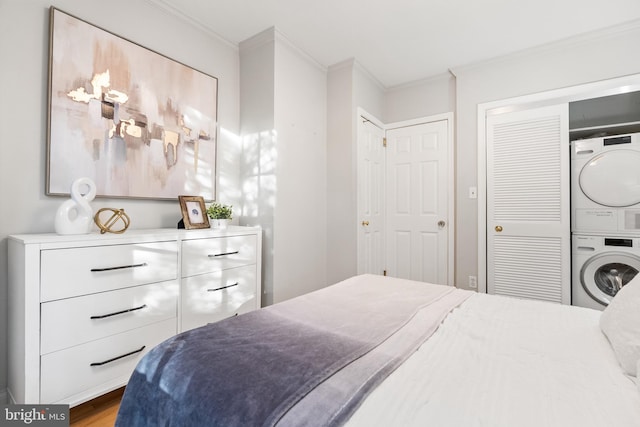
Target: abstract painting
column 139, row 124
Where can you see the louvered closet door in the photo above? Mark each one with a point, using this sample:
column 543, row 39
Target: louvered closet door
column 528, row 231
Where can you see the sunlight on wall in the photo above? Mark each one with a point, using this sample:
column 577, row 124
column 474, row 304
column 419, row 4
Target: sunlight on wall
column 229, row 189
column 258, row 174
column 200, row 175
column 258, row 181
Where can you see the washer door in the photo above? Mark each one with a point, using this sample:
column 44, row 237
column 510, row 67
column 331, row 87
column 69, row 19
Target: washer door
column 603, row 275
column 612, row 178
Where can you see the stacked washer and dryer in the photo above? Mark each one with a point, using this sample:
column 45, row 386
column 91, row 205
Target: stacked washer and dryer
column 605, row 217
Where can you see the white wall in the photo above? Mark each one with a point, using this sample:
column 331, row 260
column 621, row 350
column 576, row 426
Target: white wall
column 424, row 98
column 315, row 177
column 257, row 127
column 341, row 203
column 368, row 94
column 597, row 56
column 301, row 176
column 24, row 43
column 350, row 87
column 283, row 116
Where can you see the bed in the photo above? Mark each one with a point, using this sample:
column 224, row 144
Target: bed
column 379, row 351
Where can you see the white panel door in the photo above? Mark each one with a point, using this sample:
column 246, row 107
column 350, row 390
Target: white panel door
column 528, row 231
column 417, row 202
column 370, row 197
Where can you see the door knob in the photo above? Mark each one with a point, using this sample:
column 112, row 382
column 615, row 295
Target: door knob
column 365, row 223
column 498, row 228
column 441, row 224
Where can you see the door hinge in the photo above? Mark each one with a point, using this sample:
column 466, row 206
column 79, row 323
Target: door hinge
column 384, row 142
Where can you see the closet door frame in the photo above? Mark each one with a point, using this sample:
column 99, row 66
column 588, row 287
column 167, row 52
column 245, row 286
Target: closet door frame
column 554, row 97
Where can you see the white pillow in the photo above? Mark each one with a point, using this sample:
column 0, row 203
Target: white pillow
column 620, row 322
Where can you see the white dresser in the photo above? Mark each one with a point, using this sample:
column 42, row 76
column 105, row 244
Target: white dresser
column 84, row 309
column 218, row 278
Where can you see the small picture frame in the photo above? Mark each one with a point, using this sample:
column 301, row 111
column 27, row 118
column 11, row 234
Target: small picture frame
column 194, row 212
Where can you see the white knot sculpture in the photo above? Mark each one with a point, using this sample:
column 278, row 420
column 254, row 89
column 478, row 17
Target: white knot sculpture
column 75, row 216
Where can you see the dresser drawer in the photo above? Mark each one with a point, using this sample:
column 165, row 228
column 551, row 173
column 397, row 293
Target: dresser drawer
column 215, row 296
column 68, row 373
column 96, row 316
column 207, row 255
column 81, row 271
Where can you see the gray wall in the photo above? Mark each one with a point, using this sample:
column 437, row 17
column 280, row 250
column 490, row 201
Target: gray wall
column 300, row 217
column 598, row 56
column 341, row 181
column 283, row 121
column 349, row 87
column 24, row 44
column 257, row 124
column 424, row 98
column 23, row 87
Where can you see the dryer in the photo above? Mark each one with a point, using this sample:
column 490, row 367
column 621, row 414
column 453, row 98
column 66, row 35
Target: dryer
column 605, row 185
column 601, row 266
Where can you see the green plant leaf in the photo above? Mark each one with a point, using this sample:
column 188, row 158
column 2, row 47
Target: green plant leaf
column 219, row 211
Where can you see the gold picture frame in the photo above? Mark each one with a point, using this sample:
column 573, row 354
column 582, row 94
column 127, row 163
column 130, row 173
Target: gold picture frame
column 194, row 212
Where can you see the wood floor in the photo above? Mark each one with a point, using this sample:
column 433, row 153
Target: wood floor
column 99, row 412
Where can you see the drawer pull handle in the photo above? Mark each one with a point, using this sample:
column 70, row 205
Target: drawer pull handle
column 223, row 287
column 118, row 357
column 120, row 267
column 119, row 312
column 224, row 254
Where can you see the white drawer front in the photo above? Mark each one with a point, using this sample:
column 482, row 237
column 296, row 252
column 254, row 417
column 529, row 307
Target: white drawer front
column 211, row 297
column 207, row 255
column 96, row 316
column 67, row 373
column 80, row 271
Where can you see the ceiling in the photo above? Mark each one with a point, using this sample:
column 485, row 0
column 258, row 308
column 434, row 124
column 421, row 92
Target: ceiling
column 400, row 41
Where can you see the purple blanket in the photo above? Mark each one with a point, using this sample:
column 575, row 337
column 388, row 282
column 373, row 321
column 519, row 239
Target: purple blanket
column 306, row 361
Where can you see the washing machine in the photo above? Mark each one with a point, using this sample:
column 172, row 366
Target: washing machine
column 601, row 266
column 605, row 185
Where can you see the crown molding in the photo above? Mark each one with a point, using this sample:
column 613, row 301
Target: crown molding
column 286, row 41
column 171, row 10
column 347, row 63
column 415, row 83
column 353, row 65
column 358, row 66
column 555, row 46
column 275, row 36
column 258, row 40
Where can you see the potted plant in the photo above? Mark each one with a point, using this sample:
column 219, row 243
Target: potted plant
column 220, row 214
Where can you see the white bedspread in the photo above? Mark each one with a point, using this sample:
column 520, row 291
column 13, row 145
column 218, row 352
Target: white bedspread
column 503, row 362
